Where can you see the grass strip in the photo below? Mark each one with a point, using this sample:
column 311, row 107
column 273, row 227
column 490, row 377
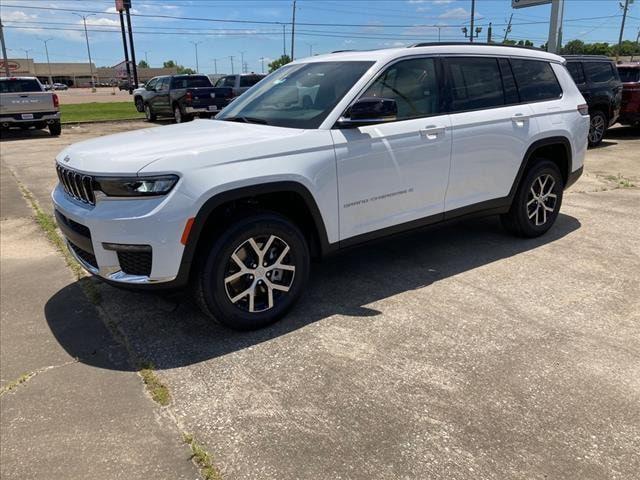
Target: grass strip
column 158, row 390
column 202, row 458
column 91, row 112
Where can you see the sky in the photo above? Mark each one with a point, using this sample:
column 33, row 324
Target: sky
column 252, row 29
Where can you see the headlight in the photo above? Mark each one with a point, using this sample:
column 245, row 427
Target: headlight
column 136, row 186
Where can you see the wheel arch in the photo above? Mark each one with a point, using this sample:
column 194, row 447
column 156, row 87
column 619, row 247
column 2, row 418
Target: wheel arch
column 556, row 149
column 289, row 198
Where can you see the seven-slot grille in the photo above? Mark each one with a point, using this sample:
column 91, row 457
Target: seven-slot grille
column 77, row 185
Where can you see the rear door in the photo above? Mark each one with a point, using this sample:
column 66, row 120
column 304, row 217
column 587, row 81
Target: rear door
column 396, row 172
column 606, row 87
column 491, row 130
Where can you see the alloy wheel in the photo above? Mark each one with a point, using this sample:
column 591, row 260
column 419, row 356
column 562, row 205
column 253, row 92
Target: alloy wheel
column 177, row 114
column 596, row 128
column 147, row 112
column 259, row 273
column 541, row 201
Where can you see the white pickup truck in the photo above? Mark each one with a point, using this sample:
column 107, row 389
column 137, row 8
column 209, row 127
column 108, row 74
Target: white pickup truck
column 24, row 103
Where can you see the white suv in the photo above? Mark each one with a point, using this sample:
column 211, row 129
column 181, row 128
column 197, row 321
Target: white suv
column 324, row 153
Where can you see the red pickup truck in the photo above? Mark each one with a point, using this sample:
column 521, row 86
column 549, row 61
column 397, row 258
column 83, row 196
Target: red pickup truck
column 630, row 77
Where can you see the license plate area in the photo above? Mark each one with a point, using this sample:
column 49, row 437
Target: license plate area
column 213, row 108
column 213, row 95
column 27, row 116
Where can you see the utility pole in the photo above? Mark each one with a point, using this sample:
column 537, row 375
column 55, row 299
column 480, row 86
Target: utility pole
column 624, row 18
column 555, row 26
column 231, row 58
column 473, row 14
column 146, row 57
column 242, row 69
column 637, row 43
column 439, row 28
column 46, row 49
column 507, row 30
column 262, row 63
column 195, row 44
column 293, row 29
column 489, row 31
column 126, row 50
column 215, row 65
column 133, row 53
column 4, row 51
column 310, row 48
column 86, row 37
column 284, row 40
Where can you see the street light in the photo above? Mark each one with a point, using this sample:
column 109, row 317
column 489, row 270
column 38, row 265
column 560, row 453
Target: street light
column 195, row 44
column 471, row 35
column 46, row 49
column 310, row 48
column 86, row 36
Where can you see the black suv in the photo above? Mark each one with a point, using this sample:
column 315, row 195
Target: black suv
column 597, row 78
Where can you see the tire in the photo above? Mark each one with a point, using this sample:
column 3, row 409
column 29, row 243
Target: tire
column 55, row 129
column 180, row 117
column 528, row 217
column 597, row 127
column 149, row 114
column 223, row 301
column 139, row 104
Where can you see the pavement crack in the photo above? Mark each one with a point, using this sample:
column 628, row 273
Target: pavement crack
column 25, row 377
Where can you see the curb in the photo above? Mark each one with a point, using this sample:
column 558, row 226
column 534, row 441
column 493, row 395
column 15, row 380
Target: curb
column 83, row 122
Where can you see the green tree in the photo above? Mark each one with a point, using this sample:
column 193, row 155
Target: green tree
column 169, row 64
column 277, row 63
column 574, row 47
column 185, row 70
column 143, row 64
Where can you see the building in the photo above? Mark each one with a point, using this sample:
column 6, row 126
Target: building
column 78, row 74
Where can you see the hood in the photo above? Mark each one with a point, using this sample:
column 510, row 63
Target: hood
column 128, row 153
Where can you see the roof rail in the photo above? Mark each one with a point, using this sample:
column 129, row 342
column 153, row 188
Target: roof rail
column 479, row 44
column 347, row 50
column 595, row 57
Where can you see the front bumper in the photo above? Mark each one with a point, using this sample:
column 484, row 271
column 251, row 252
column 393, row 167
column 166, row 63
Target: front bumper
column 101, row 237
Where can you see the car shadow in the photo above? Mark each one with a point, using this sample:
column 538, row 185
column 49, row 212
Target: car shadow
column 19, row 134
column 171, row 332
column 627, row 133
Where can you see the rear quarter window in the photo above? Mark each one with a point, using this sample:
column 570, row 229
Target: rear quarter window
column 249, row 80
column 575, row 70
column 536, row 80
column 17, row 86
column 599, row 72
column 191, row 82
column 629, row 74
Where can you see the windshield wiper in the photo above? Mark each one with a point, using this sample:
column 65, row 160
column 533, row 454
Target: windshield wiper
column 246, row 120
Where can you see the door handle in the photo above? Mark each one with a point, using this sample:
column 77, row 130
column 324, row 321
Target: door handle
column 519, row 119
column 431, row 132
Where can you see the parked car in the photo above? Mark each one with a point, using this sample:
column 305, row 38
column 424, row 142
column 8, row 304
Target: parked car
column 598, row 81
column 24, row 103
column 180, row 96
column 124, row 85
column 325, row 153
column 60, row 86
column 240, row 83
column 630, row 77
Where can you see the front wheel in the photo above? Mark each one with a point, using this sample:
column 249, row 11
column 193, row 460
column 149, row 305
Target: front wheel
column 254, row 272
column 597, row 127
column 537, row 201
column 139, row 104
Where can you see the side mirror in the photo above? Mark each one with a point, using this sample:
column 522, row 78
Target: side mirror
column 368, row 111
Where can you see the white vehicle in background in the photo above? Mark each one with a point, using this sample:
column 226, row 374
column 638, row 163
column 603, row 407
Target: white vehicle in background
column 24, row 103
column 324, row 153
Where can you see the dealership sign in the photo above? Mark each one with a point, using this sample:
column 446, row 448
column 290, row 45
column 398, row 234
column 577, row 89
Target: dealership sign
column 528, row 3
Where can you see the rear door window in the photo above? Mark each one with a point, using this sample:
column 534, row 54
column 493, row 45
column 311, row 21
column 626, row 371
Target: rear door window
column 476, row 83
column 191, row 82
column 226, row 82
column 575, row 70
column 599, row 72
column 536, row 80
column 18, row 85
column 249, row 80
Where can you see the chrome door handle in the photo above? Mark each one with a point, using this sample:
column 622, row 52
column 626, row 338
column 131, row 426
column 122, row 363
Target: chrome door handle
column 431, row 132
column 519, row 119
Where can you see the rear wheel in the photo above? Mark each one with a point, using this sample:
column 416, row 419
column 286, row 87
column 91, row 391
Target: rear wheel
column 55, row 129
column 597, row 127
column 178, row 116
column 537, row 201
column 148, row 113
column 254, row 272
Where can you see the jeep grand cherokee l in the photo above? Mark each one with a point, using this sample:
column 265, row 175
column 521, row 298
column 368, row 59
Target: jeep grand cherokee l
column 324, row 153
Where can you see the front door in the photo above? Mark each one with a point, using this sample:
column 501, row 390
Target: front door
column 396, row 172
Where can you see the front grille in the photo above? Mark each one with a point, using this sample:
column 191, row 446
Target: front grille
column 77, row 185
column 84, row 255
column 135, row 263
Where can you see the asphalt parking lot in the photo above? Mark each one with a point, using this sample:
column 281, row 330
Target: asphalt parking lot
column 458, row 352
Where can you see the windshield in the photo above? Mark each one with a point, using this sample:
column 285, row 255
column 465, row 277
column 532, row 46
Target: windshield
column 629, row 74
column 296, row 96
column 16, row 85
